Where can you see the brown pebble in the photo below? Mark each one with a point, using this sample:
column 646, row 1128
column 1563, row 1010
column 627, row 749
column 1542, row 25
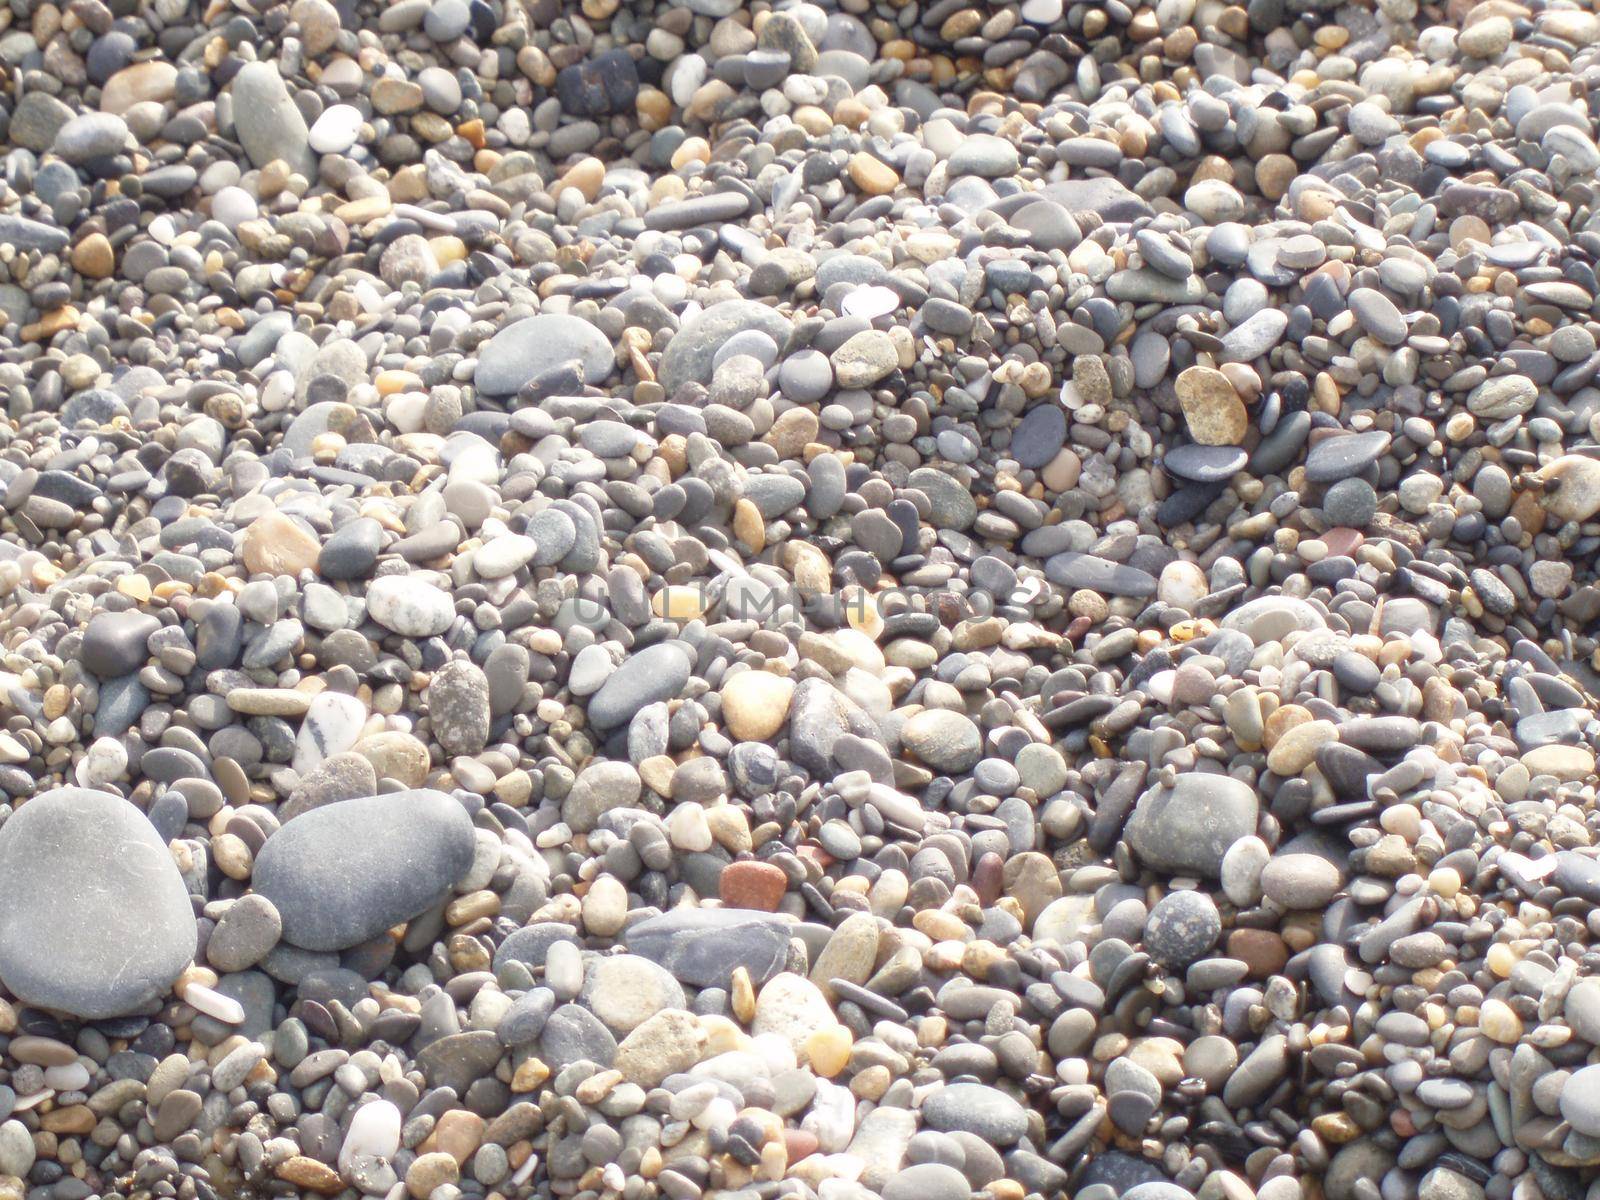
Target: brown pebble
column 1262, row 950
column 752, row 884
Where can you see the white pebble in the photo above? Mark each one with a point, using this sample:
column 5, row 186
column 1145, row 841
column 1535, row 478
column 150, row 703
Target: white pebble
column 336, row 129
column 214, row 1004
column 374, row 1133
column 71, row 1077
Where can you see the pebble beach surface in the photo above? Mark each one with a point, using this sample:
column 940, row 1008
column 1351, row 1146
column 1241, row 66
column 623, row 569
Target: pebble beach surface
column 919, row 600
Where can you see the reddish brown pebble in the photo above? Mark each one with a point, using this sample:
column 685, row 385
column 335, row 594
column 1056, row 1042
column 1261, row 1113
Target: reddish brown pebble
column 752, row 884
column 988, row 878
column 799, row 1143
column 1261, row 949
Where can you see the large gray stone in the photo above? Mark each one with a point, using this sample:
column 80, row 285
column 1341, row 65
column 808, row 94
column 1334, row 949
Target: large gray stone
column 94, row 917
column 689, row 355
column 343, row 873
column 702, row 946
column 1189, row 826
column 526, row 349
column 31, row 235
column 657, row 672
column 268, row 123
column 978, row 1109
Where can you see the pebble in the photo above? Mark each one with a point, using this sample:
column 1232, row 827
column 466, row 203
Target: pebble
column 1191, row 823
column 408, row 607
column 1212, row 409
column 1182, row 926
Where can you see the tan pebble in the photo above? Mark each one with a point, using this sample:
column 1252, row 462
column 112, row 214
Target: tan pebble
column 654, row 108
column 94, row 257
column 730, row 828
column 276, row 544
column 1211, row 408
column 872, row 175
column 154, row 79
column 692, row 150
column 584, row 177
column 748, row 525
column 605, row 907
column 850, row 113
column 755, row 704
column 941, row 926
column 1337, row 1128
column 742, row 995
column 447, row 250
column 56, row 701
column 1061, row 473
column 368, row 208
column 459, row 1133
column 1499, row 1022
column 530, row 1073
column 1281, row 719
column 135, row 587
column 430, row 1171
column 514, row 788
column 306, row 1172
column 1297, row 749
column 679, row 603
column 232, row 855
column 657, row 772
column 872, row 1082
column 828, row 1050
column 74, row 1119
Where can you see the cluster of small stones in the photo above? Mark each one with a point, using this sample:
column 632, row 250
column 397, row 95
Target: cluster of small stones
column 834, row 600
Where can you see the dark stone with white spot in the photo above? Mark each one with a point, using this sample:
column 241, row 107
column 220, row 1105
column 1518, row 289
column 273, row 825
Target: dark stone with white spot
column 1181, row 928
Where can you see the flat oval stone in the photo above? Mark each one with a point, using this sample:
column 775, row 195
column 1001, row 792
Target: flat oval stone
column 703, row 946
column 1339, row 458
column 343, row 873
column 1072, row 569
column 94, row 917
column 1039, row 436
column 1205, row 464
column 985, row 1111
column 657, row 672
